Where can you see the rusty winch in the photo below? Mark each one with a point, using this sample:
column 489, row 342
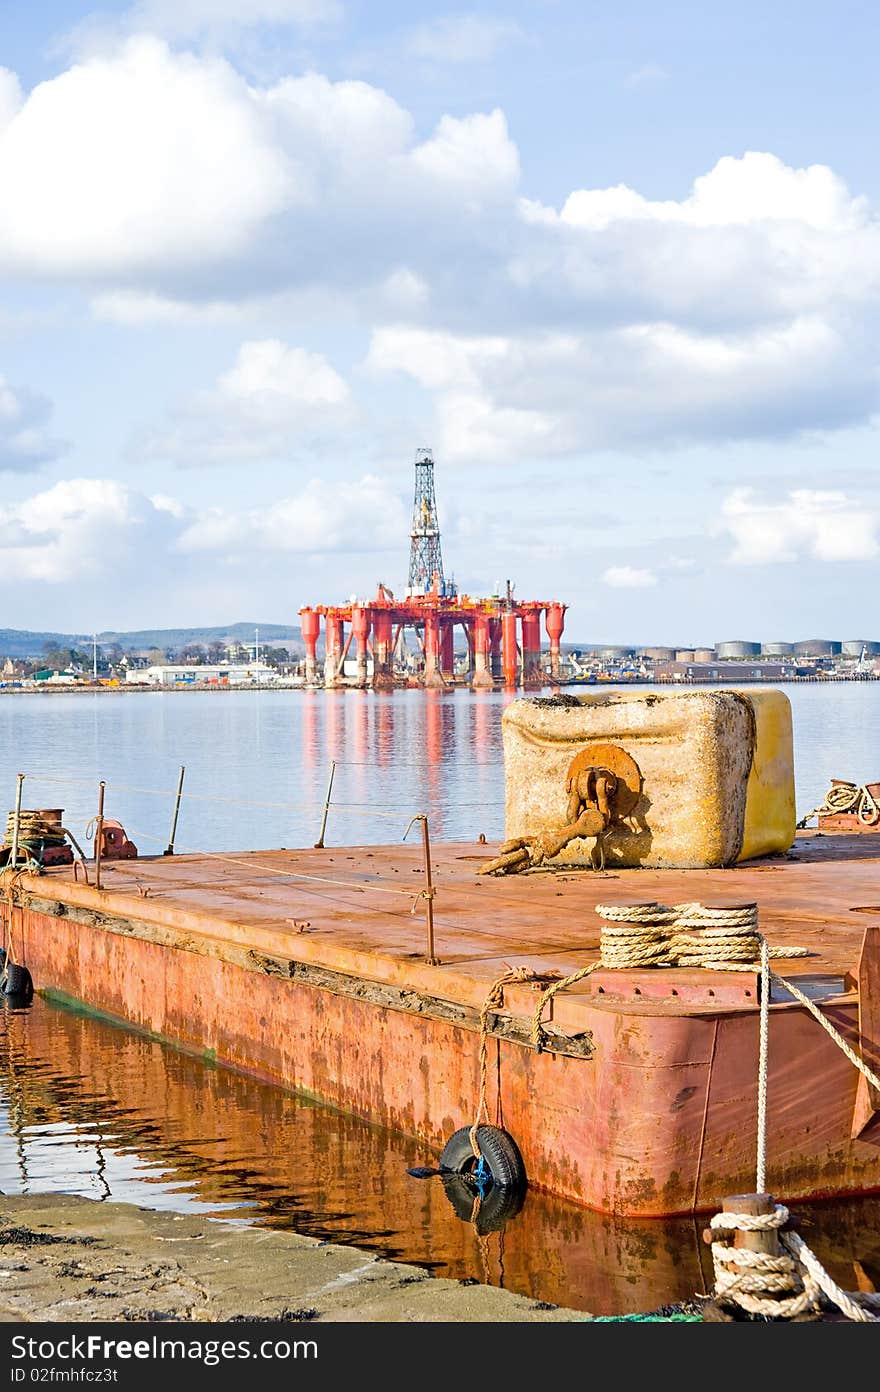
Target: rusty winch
column 603, row 784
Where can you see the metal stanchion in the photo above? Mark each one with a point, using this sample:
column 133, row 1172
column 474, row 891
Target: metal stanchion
column 170, row 848
column 319, row 844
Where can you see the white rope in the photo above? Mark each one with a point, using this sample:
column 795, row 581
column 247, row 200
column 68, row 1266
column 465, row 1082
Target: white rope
column 795, row 1277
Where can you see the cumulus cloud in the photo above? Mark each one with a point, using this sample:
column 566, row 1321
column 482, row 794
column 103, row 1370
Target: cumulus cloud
column 365, row 515
column 84, row 529
column 77, row 528
column 755, row 241
column 145, row 160
column 505, row 396
column 24, row 441
column 163, row 168
column 462, row 38
column 822, row 525
column 275, row 401
column 628, row 578
column 756, row 188
column 176, row 191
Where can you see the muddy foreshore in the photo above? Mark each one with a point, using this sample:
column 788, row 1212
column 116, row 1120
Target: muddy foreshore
column 64, row 1258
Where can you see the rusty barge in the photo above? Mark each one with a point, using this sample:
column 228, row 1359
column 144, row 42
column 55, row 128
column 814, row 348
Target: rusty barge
column 311, row 969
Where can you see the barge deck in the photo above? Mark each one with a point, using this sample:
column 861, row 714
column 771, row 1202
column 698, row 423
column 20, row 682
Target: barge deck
column 308, row 968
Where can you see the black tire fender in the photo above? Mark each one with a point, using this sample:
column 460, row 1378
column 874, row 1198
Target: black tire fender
column 492, row 1212
column 500, row 1153
column 18, row 986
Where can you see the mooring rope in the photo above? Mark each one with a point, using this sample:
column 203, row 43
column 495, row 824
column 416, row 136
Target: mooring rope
column 781, row 1286
column 494, row 1001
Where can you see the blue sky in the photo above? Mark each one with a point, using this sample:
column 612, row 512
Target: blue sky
column 617, row 265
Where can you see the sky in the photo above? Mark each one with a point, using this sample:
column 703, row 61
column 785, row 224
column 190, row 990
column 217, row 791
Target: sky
column 617, row 266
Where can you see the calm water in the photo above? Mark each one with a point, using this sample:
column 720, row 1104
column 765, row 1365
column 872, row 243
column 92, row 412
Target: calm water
column 92, row 1109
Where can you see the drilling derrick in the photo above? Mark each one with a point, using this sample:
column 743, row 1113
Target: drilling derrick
column 425, row 560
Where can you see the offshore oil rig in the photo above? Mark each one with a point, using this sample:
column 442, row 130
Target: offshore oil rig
column 503, row 634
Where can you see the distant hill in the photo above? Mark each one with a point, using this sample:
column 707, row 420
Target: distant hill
column 15, row 642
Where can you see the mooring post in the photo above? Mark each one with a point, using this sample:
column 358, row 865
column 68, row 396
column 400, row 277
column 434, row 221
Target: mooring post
column 170, row 848
column 99, row 834
column 429, row 897
column 319, row 844
column 16, row 820
column 761, row 1240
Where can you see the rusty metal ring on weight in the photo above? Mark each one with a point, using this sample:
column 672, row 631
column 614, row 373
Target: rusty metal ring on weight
column 618, row 762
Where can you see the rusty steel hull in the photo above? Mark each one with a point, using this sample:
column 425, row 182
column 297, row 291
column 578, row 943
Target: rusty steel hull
column 655, row 1116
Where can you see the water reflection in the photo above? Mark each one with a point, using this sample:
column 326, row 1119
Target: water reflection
column 105, row 1112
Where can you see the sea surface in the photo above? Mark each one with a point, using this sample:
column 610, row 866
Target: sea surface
column 89, row 1108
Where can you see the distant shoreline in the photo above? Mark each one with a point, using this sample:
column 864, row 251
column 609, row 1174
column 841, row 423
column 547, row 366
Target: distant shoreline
column 216, row 690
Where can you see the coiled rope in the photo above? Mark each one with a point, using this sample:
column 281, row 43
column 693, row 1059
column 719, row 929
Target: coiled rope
column 847, row 797
column 659, row 935
column 782, row 1286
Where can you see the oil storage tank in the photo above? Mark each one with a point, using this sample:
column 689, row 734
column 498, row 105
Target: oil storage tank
column 704, row 654
column 853, row 647
column 658, row 654
column 817, row 647
column 738, row 648
column 684, row 655
column 777, row 649
column 615, row 654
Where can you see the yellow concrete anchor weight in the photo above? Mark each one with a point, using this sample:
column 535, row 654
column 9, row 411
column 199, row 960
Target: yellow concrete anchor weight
column 703, row 778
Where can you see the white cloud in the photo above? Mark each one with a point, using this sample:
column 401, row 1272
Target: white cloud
column 628, row 578
column 144, row 169
column 130, row 307
column 84, row 530
column 136, row 162
column 462, row 38
column 754, row 242
column 11, row 97
column 275, row 401
column 757, row 187
column 365, row 515
column 473, row 152
column 529, row 395
column 822, row 525
column 270, row 378
column 745, row 309
column 24, row 441
column 77, row 528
